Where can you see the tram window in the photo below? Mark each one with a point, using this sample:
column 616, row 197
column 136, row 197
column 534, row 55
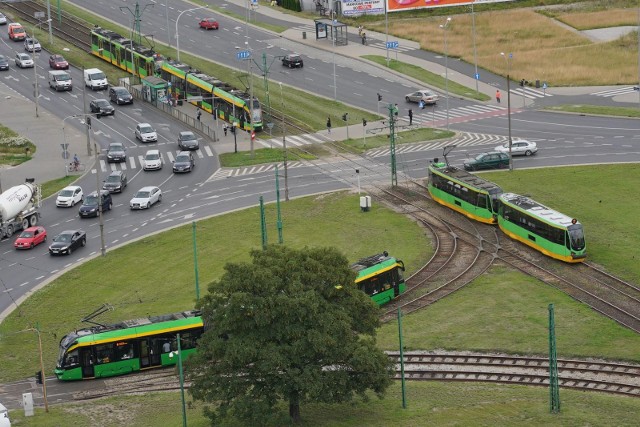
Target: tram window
column 124, row 351
column 104, row 353
column 71, row 359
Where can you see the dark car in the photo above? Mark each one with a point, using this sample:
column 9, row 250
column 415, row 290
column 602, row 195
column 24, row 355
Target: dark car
column 68, row 241
column 184, row 162
column 90, row 206
column 292, row 60
column 209, row 24
column 4, row 62
column 102, row 107
column 490, row 160
column 115, row 182
column 187, row 141
column 120, row 95
column 57, row 62
column 116, row 153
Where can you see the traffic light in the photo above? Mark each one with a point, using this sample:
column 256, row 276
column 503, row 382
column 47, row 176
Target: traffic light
column 39, row 377
column 364, row 122
column 344, row 117
column 379, row 97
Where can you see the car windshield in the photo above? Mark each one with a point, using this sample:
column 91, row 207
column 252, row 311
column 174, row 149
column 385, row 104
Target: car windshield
column 63, row 77
column 26, row 234
column 122, row 92
column 66, row 193
column 187, row 137
column 146, row 129
column 62, row 238
column 91, row 200
column 116, row 147
column 113, row 178
column 97, row 76
column 152, row 157
column 102, row 103
column 480, row 157
column 142, row 195
column 24, row 56
column 182, row 158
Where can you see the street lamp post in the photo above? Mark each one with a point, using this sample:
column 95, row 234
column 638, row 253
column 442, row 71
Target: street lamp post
column 177, row 35
column 508, row 58
column 35, row 66
column 444, row 27
column 475, row 51
column 179, row 354
column 284, row 148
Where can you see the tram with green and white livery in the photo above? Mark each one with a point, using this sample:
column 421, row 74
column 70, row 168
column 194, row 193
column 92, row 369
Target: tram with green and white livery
column 122, row 52
column 550, row 232
column 128, row 346
column 380, row 276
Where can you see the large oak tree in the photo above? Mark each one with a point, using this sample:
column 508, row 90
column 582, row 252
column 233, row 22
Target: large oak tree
column 290, row 326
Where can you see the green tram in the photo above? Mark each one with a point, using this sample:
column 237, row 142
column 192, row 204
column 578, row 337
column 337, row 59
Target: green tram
column 213, row 95
column 463, row 192
column 380, row 277
column 117, row 50
column 550, row 232
column 129, row 346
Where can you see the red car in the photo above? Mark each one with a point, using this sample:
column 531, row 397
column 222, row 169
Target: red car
column 57, row 62
column 209, row 24
column 31, row 237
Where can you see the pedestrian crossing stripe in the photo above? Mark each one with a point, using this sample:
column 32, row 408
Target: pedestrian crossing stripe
column 223, row 173
column 530, row 93
column 132, row 162
column 615, row 92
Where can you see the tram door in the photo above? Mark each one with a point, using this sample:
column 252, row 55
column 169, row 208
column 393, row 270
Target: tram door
column 149, row 353
column 87, row 360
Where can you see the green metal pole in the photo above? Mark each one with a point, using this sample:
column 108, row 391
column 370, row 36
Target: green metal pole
column 404, row 390
column 392, row 144
column 265, row 73
column 60, row 15
column 280, row 240
column 263, row 224
column 184, row 408
column 554, row 388
column 195, row 259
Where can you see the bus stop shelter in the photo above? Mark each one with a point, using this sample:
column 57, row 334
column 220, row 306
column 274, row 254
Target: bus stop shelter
column 331, row 29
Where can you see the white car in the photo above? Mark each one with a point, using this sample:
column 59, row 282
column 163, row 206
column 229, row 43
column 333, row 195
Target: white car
column 23, row 60
column 152, row 160
column 69, row 196
column 146, row 133
column 32, row 45
column 3, row 19
column 519, row 147
column 145, row 198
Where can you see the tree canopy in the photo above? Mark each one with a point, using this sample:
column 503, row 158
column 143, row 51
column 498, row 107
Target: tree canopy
column 290, row 326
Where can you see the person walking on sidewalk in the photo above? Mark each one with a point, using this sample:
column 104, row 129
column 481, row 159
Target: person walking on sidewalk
column 498, row 96
column 329, row 124
column 410, row 117
column 198, row 114
column 364, row 38
column 225, row 128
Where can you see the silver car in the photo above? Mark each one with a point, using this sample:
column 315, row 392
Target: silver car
column 32, row 45
column 519, row 147
column 146, row 133
column 427, row 96
column 23, row 60
column 146, row 197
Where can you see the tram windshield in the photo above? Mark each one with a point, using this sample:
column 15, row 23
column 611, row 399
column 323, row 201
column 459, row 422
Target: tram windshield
column 576, row 235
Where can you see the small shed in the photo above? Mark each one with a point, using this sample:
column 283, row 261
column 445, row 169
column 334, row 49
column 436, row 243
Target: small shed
column 154, row 88
column 333, row 30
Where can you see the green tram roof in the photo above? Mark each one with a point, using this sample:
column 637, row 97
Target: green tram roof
column 466, row 179
column 375, row 264
column 537, row 210
column 132, row 328
column 124, row 42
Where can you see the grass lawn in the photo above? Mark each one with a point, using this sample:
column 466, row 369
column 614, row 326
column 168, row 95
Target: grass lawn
column 597, row 109
column 14, row 149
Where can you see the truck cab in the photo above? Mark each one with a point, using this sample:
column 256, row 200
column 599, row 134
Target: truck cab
column 95, row 79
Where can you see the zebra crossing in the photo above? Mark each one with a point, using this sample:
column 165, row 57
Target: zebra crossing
column 250, row 170
column 467, row 139
column 135, row 162
column 609, row 93
column 530, row 93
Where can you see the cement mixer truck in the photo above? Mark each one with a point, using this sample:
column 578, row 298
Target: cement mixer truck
column 19, row 208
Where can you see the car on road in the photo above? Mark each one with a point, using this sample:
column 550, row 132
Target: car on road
column 519, row 147
column 427, row 96
column 116, row 182
column 292, row 60
column 490, row 160
column 116, row 153
column 146, row 197
column 31, row 237
column 187, row 141
column 152, row 160
column 16, row 32
column 102, row 107
column 4, row 63
column 91, row 204
column 69, row 196
column 57, row 62
column 3, row 19
column 23, row 60
column 67, row 242
column 184, row 162
column 32, row 44
column 209, row 24
column 146, row 133
column 120, row 95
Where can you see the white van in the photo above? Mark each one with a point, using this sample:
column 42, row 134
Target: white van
column 95, row 79
column 4, row 417
column 60, row 80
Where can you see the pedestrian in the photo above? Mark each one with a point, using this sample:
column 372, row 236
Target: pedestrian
column 198, row 114
column 410, row 117
column 421, row 104
column 498, row 96
column 225, row 128
column 360, row 30
column 364, row 38
column 329, row 124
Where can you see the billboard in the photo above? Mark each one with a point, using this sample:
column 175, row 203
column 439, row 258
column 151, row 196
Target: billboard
column 362, row 7
column 399, row 5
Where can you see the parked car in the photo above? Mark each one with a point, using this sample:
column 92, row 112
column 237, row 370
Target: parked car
column 519, row 147
column 23, row 60
column 427, row 96
column 146, row 197
column 120, row 95
column 184, row 162
column 4, row 63
column 57, row 62
column 116, row 182
column 292, row 60
column 209, row 24
column 32, row 44
column 67, row 242
column 152, row 160
column 490, row 160
column 31, row 237
column 187, row 141
column 116, row 153
column 69, row 196
column 91, row 204
column 102, row 107
column 146, row 133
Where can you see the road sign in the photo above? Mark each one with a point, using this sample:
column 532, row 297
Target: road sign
column 392, row 45
column 64, row 146
column 65, row 154
column 544, row 85
column 477, row 76
column 243, row 54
